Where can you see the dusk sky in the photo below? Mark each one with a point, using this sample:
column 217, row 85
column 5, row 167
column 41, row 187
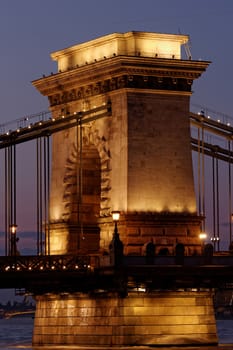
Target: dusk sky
column 31, row 29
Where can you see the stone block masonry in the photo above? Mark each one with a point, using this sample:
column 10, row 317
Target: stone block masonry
column 140, row 319
column 137, row 161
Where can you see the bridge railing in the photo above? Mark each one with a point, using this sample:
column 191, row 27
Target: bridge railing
column 25, row 122
column 89, row 262
column 44, row 263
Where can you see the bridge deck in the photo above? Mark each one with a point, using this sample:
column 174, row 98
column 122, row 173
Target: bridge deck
column 41, row 274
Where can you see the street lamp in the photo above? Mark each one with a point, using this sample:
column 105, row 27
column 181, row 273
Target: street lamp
column 215, row 240
column 13, row 239
column 202, row 237
column 115, row 217
column 116, row 246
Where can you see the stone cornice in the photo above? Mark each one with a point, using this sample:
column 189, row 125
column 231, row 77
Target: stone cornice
column 120, row 72
column 122, row 65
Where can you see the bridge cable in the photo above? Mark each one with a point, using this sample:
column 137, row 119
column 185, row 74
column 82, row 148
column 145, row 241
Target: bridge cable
column 203, row 179
column 45, row 194
column 213, row 187
column 10, row 200
column 47, row 200
column 199, row 173
column 6, row 202
column 14, row 184
column 39, row 195
column 80, row 180
column 229, row 191
column 217, row 200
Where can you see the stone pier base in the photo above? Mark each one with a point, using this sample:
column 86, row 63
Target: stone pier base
column 138, row 320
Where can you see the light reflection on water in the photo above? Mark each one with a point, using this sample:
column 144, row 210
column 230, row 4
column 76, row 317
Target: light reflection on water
column 16, row 334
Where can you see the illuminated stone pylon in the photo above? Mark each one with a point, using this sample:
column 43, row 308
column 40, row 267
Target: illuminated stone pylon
column 137, row 161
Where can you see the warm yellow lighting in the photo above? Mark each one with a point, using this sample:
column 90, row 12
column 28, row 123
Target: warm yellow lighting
column 55, row 212
column 115, row 215
column 202, row 235
column 13, row 228
column 215, row 239
column 145, row 44
column 162, row 203
column 59, row 242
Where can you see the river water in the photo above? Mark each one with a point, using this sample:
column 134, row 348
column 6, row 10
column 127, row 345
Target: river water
column 16, row 333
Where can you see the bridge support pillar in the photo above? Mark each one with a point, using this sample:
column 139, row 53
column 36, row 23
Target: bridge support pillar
column 139, row 320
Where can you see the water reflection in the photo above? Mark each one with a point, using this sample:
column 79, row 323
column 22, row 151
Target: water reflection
column 16, row 333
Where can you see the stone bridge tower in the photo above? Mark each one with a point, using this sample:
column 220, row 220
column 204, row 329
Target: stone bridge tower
column 137, row 161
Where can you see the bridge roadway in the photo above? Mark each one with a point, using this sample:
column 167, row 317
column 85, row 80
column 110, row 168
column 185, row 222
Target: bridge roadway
column 73, row 273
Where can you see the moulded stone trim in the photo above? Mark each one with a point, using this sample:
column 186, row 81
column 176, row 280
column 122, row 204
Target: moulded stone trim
column 89, row 138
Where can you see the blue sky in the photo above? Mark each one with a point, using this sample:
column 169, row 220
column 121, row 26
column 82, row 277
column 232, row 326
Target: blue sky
column 31, row 29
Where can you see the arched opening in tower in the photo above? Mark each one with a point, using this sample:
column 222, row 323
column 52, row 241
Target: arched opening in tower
column 83, row 200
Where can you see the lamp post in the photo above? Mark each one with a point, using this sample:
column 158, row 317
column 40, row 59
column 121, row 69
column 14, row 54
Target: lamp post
column 13, row 239
column 116, row 246
column 215, row 240
column 202, row 237
column 115, row 217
